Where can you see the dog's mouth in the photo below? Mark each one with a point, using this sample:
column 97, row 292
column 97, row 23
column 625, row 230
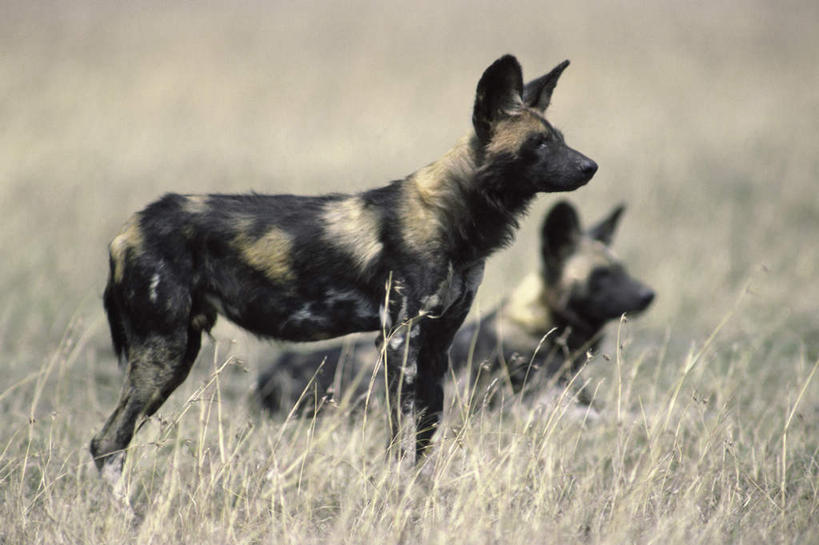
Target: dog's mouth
column 570, row 185
column 579, row 183
column 579, row 176
column 638, row 308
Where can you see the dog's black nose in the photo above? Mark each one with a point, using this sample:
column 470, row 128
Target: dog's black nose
column 588, row 167
column 646, row 297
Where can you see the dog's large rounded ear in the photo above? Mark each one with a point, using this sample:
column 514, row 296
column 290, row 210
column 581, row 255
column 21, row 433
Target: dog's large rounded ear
column 538, row 92
column 499, row 92
column 604, row 231
column 559, row 236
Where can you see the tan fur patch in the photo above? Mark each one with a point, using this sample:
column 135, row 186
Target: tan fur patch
column 129, row 238
column 431, row 191
column 590, row 255
column 269, row 254
column 527, row 306
column 420, row 223
column 195, row 204
column 355, row 228
column 510, row 133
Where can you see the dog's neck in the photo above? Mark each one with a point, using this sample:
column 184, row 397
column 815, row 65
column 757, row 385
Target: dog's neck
column 463, row 194
column 537, row 309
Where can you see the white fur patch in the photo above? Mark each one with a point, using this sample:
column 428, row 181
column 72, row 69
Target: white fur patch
column 384, row 316
column 363, row 307
column 396, row 341
column 112, row 473
column 410, row 371
column 152, row 293
column 303, row 314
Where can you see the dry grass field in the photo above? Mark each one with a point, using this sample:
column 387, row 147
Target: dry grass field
column 704, row 119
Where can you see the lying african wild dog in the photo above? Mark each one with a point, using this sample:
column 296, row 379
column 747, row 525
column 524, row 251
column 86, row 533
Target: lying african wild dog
column 407, row 257
column 580, row 287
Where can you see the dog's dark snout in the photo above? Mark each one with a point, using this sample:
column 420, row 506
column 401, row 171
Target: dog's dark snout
column 588, row 167
column 646, row 297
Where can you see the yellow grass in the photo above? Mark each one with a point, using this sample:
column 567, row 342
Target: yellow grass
column 704, row 119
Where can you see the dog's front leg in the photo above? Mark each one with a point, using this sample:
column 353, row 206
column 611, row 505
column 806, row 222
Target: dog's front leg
column 417, row 356
column 413, row 299
column 401, row 372
column 433, row 360
column 424, row 322
column 417, row 359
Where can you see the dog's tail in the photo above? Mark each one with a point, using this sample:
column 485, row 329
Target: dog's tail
column 115, row 322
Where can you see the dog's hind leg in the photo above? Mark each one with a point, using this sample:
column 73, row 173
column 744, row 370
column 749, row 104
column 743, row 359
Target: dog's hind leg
column 156, row 366
column 160, row 353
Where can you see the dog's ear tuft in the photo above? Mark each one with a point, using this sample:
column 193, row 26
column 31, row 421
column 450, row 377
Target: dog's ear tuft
column 499, row 92
column 604, row 231
column 560, row 235
column 538, row 92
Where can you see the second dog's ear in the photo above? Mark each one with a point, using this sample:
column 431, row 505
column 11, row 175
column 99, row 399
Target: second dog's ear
column 499, row 93
column 560, row 235
column 538, row 92
column 604, row 231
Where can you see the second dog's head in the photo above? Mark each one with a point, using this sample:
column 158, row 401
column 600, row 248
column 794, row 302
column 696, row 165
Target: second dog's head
column 582, row 274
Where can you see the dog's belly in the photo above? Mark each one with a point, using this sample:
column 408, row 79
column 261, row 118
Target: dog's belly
column 332, row 313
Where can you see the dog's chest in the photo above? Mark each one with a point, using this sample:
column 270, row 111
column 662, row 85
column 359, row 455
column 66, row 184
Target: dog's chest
column 459, row 284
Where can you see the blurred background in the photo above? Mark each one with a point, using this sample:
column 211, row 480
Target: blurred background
column 703, row 117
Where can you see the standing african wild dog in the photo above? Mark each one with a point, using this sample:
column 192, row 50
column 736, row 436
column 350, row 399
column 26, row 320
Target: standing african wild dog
column 407, row 257
column 579, row 287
